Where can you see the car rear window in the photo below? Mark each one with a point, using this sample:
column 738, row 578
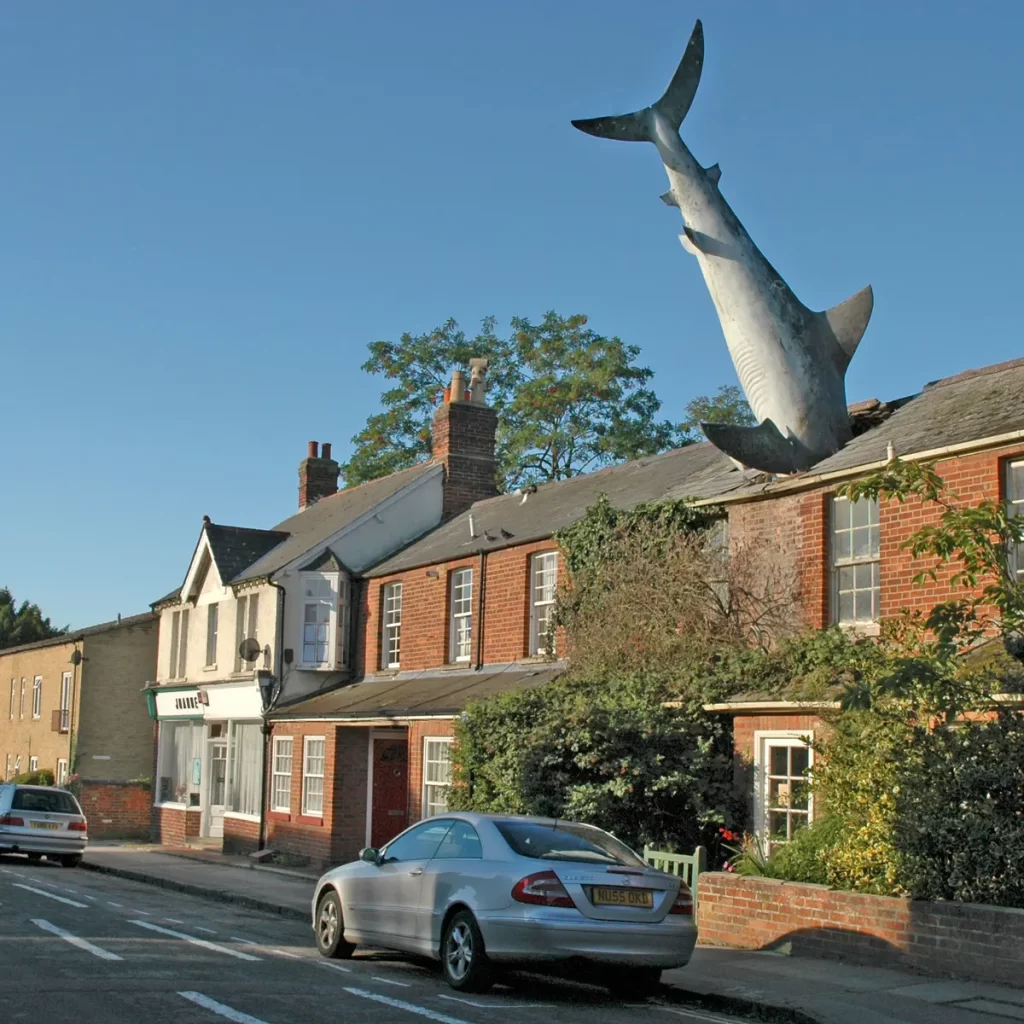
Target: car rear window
column 47, row 801
column 566, row 841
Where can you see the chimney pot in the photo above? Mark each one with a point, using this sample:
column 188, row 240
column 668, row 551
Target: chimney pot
column 325, row 450
column 312, row 450
column 458, row 386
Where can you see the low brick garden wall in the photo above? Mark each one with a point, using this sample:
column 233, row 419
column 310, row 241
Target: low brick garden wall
column 968, row 940
column 117, row 810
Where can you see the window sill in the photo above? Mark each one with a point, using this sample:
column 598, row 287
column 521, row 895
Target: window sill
column 239, row 816
column 279, row 815
column 861, row 628
column 210, row 668
column 310, row 819
column 173, row 805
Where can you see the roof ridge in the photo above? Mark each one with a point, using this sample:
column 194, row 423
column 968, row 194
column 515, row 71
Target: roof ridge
column 377, row 480
column 248, row 529
column 980, row 371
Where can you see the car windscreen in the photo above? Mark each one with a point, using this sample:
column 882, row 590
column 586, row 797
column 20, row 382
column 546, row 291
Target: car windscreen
column 566, row 841
column 46, row 801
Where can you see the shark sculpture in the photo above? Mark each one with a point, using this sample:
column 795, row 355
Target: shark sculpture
column 790, row 360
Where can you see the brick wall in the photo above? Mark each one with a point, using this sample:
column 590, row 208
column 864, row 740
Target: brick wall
column 417, row 732
column 425, row 610
column 341, row 833
column 240, row 835
column 794, row 529
column 117, row 810
column 172, row 826
column 965, row 939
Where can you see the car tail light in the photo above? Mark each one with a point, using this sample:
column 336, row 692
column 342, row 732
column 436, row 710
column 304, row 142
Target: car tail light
column 684, row 902
column 78, row 826
column 544, row 889
column 8, row 819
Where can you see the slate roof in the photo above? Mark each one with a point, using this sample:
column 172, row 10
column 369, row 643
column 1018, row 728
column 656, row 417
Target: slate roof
column 971, row 406
column 235, row 548
column 426, row 693
column 696, row 471
column 305, row 530
column 80, row 634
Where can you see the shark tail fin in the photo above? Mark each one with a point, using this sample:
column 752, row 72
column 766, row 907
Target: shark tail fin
column 762, row 447
column 673, row 106
column 848, row 321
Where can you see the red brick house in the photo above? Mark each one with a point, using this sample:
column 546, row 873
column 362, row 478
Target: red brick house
column 848, row 558
column 462, row 612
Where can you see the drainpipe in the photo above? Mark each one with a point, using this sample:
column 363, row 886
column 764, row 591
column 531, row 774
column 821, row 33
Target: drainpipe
column 72, row 751
column 262, row 842
column 480, row 613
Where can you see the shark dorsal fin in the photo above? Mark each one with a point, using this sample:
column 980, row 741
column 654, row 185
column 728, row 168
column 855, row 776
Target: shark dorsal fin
column 848, row 321
column 714, row 172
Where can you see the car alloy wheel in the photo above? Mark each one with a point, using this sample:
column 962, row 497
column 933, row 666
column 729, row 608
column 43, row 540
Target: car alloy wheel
column 330, row 932
column 465, row 963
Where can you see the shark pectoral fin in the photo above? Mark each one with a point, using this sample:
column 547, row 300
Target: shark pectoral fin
column 696, row 242
column 762, row 447
column 669, row 198
column 714, row 172
column 848, row 321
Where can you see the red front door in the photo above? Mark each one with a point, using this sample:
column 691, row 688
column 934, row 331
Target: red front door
column 390, row 790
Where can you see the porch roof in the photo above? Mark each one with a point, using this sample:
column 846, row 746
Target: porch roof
column 431, row 693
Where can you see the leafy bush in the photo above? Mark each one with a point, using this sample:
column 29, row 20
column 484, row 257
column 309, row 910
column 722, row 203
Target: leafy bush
column 803, row 859
column 40, row 777
column 606, row 751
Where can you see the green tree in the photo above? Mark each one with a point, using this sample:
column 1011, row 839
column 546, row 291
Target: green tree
column 569, row 400
column 727, row 405
column 22, row 624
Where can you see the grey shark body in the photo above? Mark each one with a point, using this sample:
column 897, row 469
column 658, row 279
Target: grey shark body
column 790, row 360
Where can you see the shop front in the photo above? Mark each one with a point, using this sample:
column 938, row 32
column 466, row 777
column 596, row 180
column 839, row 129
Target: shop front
column 209, row 761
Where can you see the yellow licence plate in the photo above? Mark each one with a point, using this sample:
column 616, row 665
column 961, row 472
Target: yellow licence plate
column 623, row 898
column 44, row 824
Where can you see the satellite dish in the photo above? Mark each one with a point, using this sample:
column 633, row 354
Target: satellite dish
column 249, row 649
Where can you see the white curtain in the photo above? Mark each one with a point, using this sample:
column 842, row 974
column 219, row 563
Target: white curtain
column 181, row 743
column 245, row 757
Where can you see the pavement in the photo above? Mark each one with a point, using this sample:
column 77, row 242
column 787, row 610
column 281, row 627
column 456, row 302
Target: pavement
column 221, row 899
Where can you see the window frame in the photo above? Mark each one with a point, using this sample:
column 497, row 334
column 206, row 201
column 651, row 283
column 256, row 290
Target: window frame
column 428, row 785
column 178, row 667
column 21, row 705
column 37, row 697
column 212, row 630
column 764, row 741
column 14, row 690
column 539, row 644
column 836, row 564
column 1015, row 507
column 395, row 624
column 276, row 774
column 463, row 619
column 247, row 610
column 329, row 643
column 33, row 763
column 61, row 775
column 307, row 775
column 66, row 685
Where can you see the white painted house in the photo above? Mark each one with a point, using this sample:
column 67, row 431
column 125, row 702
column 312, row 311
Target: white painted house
column 268, row 616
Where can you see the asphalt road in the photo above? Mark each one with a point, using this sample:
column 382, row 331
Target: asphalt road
column 80, row 948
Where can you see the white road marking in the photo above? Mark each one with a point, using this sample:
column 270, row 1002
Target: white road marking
column 235, row 938
column 113, row 904
column 199, row 928
column 145, row 913
column 172, row 920
column 388, row 981
column 498, row 1006
column 86, row 896
column 103, row 954
column 398, row 1004
column 219, row 1008
column 286, row 952
column 49, row 895
column 337, row 967
column 195, row 942
column 65, row 888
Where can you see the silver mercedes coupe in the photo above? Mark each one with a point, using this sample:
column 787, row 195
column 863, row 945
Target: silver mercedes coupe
column 478, row 891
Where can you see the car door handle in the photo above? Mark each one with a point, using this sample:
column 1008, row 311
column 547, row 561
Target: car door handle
column 416, row 871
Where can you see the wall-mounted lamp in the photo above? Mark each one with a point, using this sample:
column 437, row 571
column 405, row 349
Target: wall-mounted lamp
column 433, row 574
column 203, row 697
column 266, row 682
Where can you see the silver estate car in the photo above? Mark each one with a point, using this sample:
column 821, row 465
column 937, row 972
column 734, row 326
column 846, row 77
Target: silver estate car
column 476, row 891
column 42, row 821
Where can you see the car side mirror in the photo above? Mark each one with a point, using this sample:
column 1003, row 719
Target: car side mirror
column 370, row 855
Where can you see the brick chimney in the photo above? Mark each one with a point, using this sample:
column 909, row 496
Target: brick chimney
column 318, row 475
column 463, row 441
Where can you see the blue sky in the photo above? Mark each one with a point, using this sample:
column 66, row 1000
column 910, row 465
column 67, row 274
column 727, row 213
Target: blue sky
column 209, row 210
